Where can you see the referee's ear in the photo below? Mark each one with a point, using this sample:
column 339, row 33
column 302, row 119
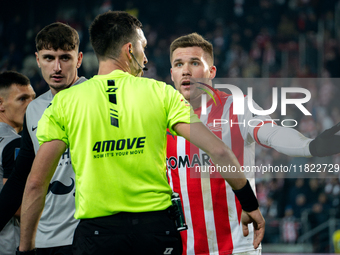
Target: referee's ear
column 127, row 50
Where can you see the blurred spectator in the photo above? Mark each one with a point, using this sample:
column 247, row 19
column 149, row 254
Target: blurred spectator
column 286, row 30
column 313, row 192
column 300, row 205
column 289, row 226
column 316, row 217
column 298, row 188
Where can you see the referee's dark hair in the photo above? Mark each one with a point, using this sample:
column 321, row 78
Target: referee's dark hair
column 57, row 36
column 8, row 78
column 110, row 31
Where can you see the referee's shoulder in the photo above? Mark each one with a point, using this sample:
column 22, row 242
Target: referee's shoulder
column 154, row 82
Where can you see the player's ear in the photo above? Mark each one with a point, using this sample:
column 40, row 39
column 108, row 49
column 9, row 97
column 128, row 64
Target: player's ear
column 212, row 71
column 2, row 108
column 172, row 78
column 37, row 59
column 80, row 59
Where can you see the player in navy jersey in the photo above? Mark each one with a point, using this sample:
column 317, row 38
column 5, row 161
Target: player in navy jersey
column 15, row 94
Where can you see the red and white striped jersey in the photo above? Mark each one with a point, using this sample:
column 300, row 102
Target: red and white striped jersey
column 211, row 209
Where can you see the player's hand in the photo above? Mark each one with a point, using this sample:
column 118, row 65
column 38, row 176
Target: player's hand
column 327, row 143
column 257, row 219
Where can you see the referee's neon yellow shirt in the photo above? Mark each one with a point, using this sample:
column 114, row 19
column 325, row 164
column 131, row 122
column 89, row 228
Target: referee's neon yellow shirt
column 115, row 126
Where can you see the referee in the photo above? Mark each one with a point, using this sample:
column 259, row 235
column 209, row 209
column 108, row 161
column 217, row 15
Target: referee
column 115, row 127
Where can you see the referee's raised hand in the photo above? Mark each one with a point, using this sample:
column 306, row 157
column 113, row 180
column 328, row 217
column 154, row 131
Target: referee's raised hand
column 327, row 143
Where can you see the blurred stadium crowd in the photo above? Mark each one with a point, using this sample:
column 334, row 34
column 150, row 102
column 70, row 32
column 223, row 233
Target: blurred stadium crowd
column 252, row 39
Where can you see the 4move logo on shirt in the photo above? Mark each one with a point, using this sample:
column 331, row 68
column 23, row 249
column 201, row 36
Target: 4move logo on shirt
column 122, row 147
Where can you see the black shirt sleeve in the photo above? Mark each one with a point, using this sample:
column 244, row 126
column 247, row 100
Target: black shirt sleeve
column 11, row 193
column 9, row 154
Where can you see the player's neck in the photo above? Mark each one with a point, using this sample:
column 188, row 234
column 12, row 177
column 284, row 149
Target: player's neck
column 4, row 120
column 197, row 102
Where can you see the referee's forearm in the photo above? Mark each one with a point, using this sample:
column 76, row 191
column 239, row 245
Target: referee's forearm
column 222, row 156
column 225, row 159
